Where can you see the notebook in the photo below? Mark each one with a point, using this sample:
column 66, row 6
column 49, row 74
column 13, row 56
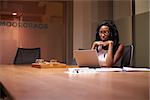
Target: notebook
column 87, row 58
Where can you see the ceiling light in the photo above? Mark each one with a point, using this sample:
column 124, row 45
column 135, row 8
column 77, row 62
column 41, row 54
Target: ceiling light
column 14, row 13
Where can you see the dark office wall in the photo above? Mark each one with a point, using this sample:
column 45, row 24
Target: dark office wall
column 51, row 40
column 142, row 39
column 87, row 14
column 122, row 14
column 142, row 33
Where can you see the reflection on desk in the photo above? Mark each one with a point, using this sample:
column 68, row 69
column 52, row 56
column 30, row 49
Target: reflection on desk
column 29, row 83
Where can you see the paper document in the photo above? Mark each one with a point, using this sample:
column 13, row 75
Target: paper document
column 109, row 69
column 97, row 70
column 81, row 70
column 92, row 70
column 136, row 69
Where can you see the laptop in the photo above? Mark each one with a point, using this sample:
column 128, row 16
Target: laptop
column 86, row 58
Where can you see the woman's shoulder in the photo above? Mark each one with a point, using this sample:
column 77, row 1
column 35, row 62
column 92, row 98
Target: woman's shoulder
column 121, row 46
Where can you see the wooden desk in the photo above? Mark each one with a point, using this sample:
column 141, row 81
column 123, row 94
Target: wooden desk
column 28, row 83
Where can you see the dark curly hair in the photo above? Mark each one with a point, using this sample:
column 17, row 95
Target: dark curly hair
column 114, row 36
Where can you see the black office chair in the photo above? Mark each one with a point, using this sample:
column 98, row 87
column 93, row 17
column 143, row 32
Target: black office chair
column 27, row 55
column 127, row 55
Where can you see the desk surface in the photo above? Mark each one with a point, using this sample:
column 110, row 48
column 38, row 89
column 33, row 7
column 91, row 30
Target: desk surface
column 28, row 83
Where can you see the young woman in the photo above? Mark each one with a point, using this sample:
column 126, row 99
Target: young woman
column 107, row 44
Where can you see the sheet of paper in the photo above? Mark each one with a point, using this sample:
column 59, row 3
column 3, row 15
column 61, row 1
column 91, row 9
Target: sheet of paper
column 109, row 69
column 80, row 70
column 92, row 70
column 97, row 70
column 136, row 69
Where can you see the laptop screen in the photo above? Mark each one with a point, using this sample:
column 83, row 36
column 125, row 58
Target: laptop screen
column 86, row 58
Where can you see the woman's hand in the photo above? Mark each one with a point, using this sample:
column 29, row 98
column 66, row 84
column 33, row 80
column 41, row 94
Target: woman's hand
column 107, row 43
column 98, row 43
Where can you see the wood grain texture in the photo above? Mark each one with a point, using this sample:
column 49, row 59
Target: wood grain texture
column 29, row 83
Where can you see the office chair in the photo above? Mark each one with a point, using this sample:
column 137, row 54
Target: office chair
column 127, row 56
column 27, row 55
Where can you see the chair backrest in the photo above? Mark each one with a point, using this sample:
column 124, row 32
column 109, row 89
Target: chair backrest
column 27, row 55
column 127, row 55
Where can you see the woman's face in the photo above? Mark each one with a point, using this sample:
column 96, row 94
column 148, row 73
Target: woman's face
column 104, row 33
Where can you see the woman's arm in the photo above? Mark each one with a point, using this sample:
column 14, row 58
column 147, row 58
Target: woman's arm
column 109, row 58
column 118, row 53
column 112, row 59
